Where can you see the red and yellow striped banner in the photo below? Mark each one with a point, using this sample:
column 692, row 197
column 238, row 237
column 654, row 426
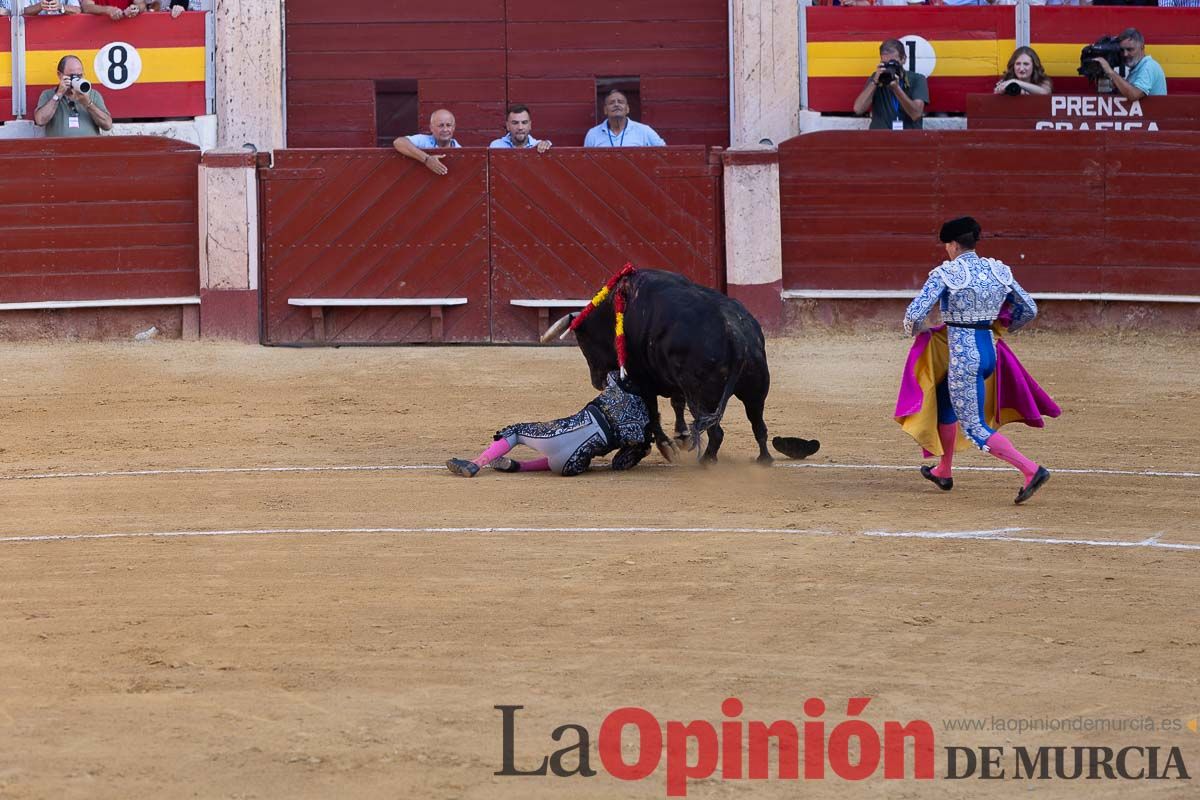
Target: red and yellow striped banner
column 5, row 76
column 149, row 66
column 964, row 50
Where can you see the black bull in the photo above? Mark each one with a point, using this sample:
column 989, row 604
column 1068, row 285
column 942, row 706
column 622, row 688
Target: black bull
column 691, row 344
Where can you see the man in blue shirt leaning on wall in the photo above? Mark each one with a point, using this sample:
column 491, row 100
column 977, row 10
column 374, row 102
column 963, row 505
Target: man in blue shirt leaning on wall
column 618, row 130
column 441, row 122
column 520, row 127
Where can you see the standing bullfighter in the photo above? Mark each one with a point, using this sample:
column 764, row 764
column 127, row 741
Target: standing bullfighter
column 974, row 293
column 616, row 420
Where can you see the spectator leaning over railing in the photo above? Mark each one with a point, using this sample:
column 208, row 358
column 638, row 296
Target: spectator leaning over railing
column 441, row 122
column 42, row 7
column 67, row 111
column 176, row 7
column 1144, row 76
column 114, row 9
column 1024, row 74
column 618, row 130
column 894, row 97
column 520, row 131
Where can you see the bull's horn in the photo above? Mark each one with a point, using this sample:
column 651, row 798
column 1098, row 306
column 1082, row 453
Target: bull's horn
column 557, row 328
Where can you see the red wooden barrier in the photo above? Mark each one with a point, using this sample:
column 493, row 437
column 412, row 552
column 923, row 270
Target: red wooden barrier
column 98, row 218
column 149, row 66
column 563, row 222
column 363, row 225
column 1070, row 211
column 370, row 224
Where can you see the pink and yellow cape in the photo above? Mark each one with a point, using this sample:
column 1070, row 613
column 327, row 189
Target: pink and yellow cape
column 1012, row 393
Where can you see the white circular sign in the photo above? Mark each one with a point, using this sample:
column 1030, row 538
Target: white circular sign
column 919, row 55
column 118, row 65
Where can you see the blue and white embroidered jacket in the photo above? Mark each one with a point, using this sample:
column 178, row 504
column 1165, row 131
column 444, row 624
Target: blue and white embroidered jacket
column 971, row 290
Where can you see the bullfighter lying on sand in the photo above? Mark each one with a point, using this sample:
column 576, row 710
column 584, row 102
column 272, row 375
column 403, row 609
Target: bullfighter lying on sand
column 616, row 420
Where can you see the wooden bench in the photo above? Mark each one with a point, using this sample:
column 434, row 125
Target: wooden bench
column 191, row 308
column 434, row 304
column 543, row 308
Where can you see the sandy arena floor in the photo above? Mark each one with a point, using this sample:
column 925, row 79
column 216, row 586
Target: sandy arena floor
column 195, row 603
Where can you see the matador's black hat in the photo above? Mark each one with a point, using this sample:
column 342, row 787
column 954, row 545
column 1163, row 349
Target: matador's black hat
column 959, row 227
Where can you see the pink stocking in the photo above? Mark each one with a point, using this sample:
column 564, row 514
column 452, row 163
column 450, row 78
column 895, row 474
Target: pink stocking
column 495, row 450
column 999, row 446
column 948, row 434
column 535, row 465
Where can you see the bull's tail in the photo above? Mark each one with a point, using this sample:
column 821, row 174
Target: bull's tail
column 705, row 421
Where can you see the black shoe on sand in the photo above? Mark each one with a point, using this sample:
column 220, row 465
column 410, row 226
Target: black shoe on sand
column 945, row 484
column 1040, row 477
column 462, row 467
column 795, row 447
column 506, row 464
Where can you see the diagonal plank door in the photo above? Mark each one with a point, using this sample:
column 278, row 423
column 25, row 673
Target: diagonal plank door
column 563, row 221
column 358, row 225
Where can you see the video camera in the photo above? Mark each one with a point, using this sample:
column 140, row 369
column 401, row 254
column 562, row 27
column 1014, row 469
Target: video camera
column 1106, row 47
column 892, row 70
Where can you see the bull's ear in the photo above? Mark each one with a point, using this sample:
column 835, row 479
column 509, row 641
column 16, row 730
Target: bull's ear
column 559, row 327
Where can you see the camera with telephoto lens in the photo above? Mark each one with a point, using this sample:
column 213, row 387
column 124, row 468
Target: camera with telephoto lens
column 80, row 84
column 892, row 69
column 1012, row 89
column 1106, row 47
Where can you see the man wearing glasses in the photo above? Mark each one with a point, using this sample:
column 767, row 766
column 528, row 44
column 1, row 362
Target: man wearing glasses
column 1143, row 74
column 67, row 111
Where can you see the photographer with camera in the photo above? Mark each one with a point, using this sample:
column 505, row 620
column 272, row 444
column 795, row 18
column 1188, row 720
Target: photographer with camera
column 1143, row 75
column 73, row 108
column 894, row 97
column 1024, row 75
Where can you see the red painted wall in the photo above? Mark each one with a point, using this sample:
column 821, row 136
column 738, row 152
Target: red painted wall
column 477, row 56
column 98, row 218
column 1069, row 211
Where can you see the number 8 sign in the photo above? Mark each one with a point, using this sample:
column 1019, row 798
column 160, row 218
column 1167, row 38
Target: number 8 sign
column 118, row 65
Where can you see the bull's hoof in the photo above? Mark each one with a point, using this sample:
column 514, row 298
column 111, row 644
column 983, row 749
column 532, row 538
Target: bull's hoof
column 764, row 460
column 794, row 447
column 668, row 450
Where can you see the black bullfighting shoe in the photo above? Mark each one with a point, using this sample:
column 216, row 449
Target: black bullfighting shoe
column 795, row 447
column 506, row 464
column 462, row 467
column 945, row 484
column 1040, row 477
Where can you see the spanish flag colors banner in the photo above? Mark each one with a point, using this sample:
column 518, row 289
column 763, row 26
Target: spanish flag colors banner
column 5, row 77
column 964, row 50
column 149, row 66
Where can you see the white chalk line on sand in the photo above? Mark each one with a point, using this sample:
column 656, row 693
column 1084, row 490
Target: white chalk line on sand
column 440, row 467
column 995, row 535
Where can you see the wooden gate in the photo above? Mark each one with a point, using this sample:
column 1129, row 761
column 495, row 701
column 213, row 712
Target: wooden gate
column 365, row 246
column 563, row 222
